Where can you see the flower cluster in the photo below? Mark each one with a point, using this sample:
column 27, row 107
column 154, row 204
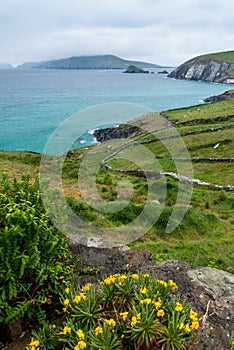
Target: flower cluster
column 133, row 311
column 34, row 344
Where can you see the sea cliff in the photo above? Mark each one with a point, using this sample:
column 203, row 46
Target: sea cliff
column 217, row 68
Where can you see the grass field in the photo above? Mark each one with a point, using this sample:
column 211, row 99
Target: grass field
column 207, row 229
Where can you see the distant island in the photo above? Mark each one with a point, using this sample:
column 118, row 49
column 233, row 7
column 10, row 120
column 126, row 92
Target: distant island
column 215, row 67
column 88, row 62
column 134, row 69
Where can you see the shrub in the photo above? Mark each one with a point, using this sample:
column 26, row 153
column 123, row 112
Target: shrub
column 132, row 311
column 34, row 256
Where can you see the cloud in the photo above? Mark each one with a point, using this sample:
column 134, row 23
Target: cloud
column 165, row 32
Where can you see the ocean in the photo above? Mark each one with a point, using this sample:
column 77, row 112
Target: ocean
column 34, row 102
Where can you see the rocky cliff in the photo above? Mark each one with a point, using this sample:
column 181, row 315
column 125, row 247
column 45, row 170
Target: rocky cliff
column 218, row 68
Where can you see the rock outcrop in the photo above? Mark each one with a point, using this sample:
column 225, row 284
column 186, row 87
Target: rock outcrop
column 163, row 72
column 227, row 95
column 210, row 68
column 134, row 69
column 123, row 131
column 208, row 290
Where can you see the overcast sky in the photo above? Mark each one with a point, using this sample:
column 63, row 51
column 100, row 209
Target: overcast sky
column 166, row 32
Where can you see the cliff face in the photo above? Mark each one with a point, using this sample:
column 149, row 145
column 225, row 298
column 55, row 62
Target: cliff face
column 211, row 71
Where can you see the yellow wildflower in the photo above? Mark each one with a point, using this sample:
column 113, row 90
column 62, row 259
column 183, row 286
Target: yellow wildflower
column 193, row 315
column 64, row 309
column 111, row 322
column 135, row 276
column 172, row 284
column 146, row 275
column 66, row 330
column 67, row 290
column 86, row 288
column 122, row 277
column 163, row 283
column 80, row 334
column 138, row 316
column 146, row 301
column 133, row 321
column 81, row 345
column 34, row 344
column 178, row 307
column 98, row 330
column 187, row 328
column 124, row 315
column 77, row 299
column 181, row 326
column 157, row 304
column 195, row 325
column 109, row 280
column 84, row 297
column 143, row 290
column 160, row 313
column 66, row 302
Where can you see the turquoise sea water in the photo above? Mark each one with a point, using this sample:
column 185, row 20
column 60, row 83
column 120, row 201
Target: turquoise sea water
column 33, row 103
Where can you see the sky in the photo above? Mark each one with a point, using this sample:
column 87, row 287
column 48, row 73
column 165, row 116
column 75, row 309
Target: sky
column 165, row 32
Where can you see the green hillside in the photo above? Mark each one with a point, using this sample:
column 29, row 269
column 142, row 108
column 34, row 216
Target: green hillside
column 89, row 62
column 218, row 56
column 207, row 132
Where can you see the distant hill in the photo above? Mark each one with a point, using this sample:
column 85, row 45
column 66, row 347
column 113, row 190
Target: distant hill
column 88, row 62
column 215, row 67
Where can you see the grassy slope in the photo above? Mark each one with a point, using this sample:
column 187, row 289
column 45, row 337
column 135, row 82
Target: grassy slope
column 218, row 56
column 208, row 226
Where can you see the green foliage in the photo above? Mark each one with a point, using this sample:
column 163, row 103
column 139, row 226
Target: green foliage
column 34, row 256
column 131, row 312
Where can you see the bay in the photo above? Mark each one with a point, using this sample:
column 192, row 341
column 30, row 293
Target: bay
column 34, row 102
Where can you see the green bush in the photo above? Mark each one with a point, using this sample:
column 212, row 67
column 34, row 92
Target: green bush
column 34, row 256
column 130, row 312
